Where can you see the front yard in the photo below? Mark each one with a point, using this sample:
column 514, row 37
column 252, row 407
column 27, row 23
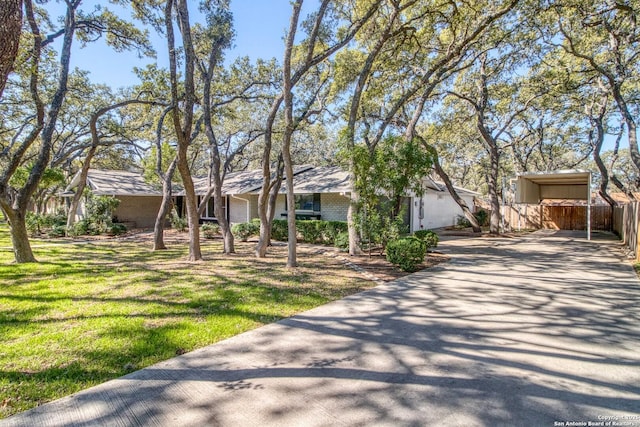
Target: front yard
column 93, row 311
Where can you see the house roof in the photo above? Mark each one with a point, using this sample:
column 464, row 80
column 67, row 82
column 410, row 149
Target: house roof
column 245, row 182
column 308, row 179
column 115, row 183
column 321, row 180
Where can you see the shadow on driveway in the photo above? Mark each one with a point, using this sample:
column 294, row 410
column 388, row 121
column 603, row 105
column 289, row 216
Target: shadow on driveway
column 516, row 332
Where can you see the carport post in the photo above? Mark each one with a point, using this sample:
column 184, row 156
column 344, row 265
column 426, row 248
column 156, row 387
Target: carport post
column 589, row 208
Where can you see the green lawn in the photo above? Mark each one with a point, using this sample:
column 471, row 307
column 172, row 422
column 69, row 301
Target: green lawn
column 90, row 312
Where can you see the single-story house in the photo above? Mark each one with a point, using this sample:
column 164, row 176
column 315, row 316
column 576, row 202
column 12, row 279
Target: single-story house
column 321, row 193
column 139, row 200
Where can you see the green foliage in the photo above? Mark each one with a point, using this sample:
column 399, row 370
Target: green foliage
column 383, row 176
column 98, row 219
column 341, row 240
column 279, row 230
column 149, row 164
column 58, row 231
column 50, row 177
column 244, row 230
column 210, row 230
column 116, row 229
column 429, row 237
column 407, row 253
column 378, row 228
column 100, row 209
column 50, row 224
column 62, row 332
column 177, row 222
column 310, row 231
column 482, row 216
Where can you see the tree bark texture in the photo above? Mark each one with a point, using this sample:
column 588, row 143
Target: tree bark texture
column 10, row 30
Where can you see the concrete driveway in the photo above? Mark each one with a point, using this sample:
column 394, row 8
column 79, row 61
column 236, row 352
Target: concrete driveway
column 535, row 331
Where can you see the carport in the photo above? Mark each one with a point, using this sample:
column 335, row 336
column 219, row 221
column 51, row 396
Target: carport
column 533, row 188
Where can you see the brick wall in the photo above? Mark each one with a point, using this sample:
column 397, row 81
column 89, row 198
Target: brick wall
column 334, row 207
column 142, row 210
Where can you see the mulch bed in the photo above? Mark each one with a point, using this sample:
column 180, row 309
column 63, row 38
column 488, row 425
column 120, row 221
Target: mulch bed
column 378, row 266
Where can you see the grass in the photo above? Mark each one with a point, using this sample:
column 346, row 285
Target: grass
column 90, row 312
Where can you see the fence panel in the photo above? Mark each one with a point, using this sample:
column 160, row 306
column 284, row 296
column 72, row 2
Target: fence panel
column 523, row 217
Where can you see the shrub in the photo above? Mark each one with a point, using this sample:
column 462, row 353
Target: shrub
column 462, row 222
column 116, row 229
column 341, row 241
column 32, row 222
column 407, row 253
column 483, row 217
column 244, row 230
column 83, row 227
column 210, row 230
column 331, row 230
column 310, row 230
column 58, row 231
column 429, row 237
column 279, row 230
column 54, row 220
column 177, row 222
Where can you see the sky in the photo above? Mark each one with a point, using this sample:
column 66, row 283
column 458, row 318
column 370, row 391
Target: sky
column 259, row 24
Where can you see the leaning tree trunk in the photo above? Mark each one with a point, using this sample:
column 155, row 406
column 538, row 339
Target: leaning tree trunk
column 165, row 208
column 475, row 226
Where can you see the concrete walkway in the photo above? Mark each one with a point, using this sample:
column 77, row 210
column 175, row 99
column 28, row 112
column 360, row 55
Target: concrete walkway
column 532, row 331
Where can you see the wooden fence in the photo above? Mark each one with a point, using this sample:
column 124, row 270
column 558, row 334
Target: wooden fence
column 523, row 217
column 625, row 224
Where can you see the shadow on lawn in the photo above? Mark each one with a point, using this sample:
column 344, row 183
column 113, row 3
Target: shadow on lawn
column 167, row 312
column 508, row 333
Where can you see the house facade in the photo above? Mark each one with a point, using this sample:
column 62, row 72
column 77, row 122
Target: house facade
column 320, row 193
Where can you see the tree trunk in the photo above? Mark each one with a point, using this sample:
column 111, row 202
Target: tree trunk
column 494, row 201
column 158, row 228
column 191, row 202
column 354, row 237
column 475, row 226
column 84, row 172
column 266, row 209
column 10, row 30
column 165, row 208
column 19, row 236
column 215, row 191
column 292, row 240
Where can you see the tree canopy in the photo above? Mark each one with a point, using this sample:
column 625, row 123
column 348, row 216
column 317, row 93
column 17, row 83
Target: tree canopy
column 469, row 92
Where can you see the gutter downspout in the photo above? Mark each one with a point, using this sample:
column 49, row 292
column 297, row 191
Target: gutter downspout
column 233, row 196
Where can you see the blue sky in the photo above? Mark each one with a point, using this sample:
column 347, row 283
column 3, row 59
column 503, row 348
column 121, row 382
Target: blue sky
column 260, row 26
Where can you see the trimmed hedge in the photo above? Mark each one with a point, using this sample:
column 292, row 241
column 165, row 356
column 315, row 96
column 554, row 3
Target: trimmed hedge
column 407, row 253
column 279, row 230
column 310, row 231
column 244, row 230
column 429, row 237
column 210, row 230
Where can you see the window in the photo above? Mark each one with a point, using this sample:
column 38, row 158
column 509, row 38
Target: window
column 209, row 212
column 307, row 202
